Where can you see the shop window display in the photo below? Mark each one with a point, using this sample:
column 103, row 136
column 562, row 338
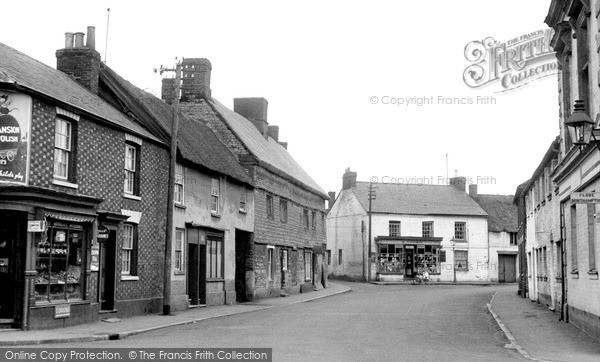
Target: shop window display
column 391, row 258
column 60, row 263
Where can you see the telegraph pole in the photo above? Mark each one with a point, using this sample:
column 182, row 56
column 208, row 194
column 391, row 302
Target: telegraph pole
column 171, row 189
column 372, row 196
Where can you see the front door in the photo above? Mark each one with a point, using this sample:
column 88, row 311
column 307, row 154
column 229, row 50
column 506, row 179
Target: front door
column 409, row 271
column 196, row 276
column 506, row 269
column 107, row 271
column 284, row 266
column 11, row 232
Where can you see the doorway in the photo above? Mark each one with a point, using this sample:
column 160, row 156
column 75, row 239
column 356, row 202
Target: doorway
column 243, row 263
column 409, row 269
column 108, row 259
column 507, row 268
column 12, row 239
column 196, row 280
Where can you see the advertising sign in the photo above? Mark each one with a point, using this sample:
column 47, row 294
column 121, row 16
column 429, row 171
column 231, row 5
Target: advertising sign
column 15, row 134
column 585, row 198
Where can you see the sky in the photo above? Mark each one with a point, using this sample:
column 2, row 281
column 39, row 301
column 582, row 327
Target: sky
column 327, row 68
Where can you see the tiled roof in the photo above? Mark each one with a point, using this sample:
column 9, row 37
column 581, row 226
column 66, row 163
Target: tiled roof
column 412, row 199
column 267, row 151
column 502, row 211
column 196, row 142
column 24, row 71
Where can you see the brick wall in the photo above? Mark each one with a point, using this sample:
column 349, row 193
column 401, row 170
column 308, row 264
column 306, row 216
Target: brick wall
column 99, row 165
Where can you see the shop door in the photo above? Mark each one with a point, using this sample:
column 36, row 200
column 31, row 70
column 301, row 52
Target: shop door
column 196, row 276
column 506, row 269
column 409, row 271
column 107, row 271
column 10, row 231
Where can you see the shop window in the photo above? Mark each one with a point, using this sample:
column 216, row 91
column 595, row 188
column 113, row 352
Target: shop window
column 60, row 263
column 132, row 170
column 308, row 265
column 461, row 260
column 214, row 265
column 270, row 262
column 129, row 250
column 270, row 211
column 390, row 258
column 427, row 229
column 394, row 228
column 243, row 200
column 428, row 258
column 179, row 251
column 64, row 155
column 283, row 210
column 179, row 184
column 215, row 191
column 460, row 230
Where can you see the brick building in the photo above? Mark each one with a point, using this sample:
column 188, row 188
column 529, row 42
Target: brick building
column 576, row 41
column 287, row 250
column 214, row 201
column 415, row 228
column 83, row 196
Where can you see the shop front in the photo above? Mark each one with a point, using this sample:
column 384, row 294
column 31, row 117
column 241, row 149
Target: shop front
column 401, row 258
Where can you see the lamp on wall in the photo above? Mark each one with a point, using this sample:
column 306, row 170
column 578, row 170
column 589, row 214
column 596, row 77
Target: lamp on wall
column 581, row 126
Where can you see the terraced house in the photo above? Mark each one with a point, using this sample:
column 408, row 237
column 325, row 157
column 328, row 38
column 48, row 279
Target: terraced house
column 83, row 195
column 286, row 252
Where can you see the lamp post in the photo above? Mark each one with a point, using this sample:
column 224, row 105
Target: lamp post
column 581, row 126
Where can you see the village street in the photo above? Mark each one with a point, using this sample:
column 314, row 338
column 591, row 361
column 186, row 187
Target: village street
column 373, row 322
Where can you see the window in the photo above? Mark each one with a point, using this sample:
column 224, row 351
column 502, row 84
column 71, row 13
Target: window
column 323, row 221
column 284, row 259
column 243, row 199
column 62, row 149
column 270, row 211
column 340, row 257
column 60, row 263
column 559, row 252
column 591, row 209
column 215, row 190
column 270, row 262
column 179, row 245
column 305, row 218
column 283, row 210
column 314, row 220
column 513, row 239
column 179, row 181
column 460, row 230
column 131, row 170
column 214, row 265
column 427, row 229
column 390, row 258
column 574, row 238
column 128, row 251
column 461, row 261
column 544, row 262
column 307, row 265
column 328, row 256
column 394, row 228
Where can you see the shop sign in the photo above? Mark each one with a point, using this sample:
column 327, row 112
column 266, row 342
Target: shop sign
column 36, row 226
column 95, row 264
column 102, row 233
column 62, row 311
column 15, row 121
column 585, row 198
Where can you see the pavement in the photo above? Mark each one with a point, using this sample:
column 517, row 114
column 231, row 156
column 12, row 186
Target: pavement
column 536, row 332
column 103, row 331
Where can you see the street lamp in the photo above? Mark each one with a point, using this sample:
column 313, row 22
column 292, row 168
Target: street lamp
column 581, row 125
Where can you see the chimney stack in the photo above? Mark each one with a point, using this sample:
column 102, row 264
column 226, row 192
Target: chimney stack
column 284, row 144
column 273, row 132
column 255, row 110
column 80, row 62
column 167, row 92
column 195, row 80
column 459, row 182
column 473, row 191
column 349, row 179
column 331, row 199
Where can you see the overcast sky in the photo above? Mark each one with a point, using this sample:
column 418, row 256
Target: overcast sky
column 319, row 63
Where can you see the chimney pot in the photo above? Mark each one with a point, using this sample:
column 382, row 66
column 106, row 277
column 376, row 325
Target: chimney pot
column 68, row 40
column 349, row 179
column 79, row 40
column 273, row 132
column 91, row 37
column 473, row 191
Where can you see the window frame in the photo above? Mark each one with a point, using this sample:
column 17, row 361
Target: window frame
column 179, row 189
column 135, row 172
column 456, row 231
column 308, row 265
column 466, row 259
column 430, row 227
column 283, row 210
column 130, row 250
column 67, row 150
column 270, row 270
column 270, row 207
column 305, row 221
column 215, row 265
column 215, row 195
column 243, row 200
column 314, row 220
column 394, row 224
column 179, row 251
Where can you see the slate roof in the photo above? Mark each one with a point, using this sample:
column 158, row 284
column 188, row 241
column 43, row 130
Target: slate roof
column 196, row 142
column 412, row 199
column 268, row 151
column 22, row 70
column 502, row 211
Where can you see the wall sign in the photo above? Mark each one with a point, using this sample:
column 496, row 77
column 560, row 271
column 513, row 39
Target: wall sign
column 585, row 198
column 102, row 233
column 15, row 121
column 36, row 226
column 62, row 311
column 95, row 262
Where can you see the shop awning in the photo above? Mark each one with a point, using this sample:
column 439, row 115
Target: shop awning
column 70, row 217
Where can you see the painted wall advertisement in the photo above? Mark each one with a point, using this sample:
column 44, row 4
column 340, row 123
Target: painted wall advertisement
column 15, row 134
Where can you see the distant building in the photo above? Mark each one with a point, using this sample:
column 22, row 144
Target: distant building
column 502, row 234
column 435, row 228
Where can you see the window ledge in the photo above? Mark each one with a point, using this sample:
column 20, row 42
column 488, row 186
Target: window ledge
column 242, row 211
column 459, row 240
column 214, row 214
column 180, row 206
column 179, row 272
column 132, row 197
column 129, row 277
column 65, row 184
